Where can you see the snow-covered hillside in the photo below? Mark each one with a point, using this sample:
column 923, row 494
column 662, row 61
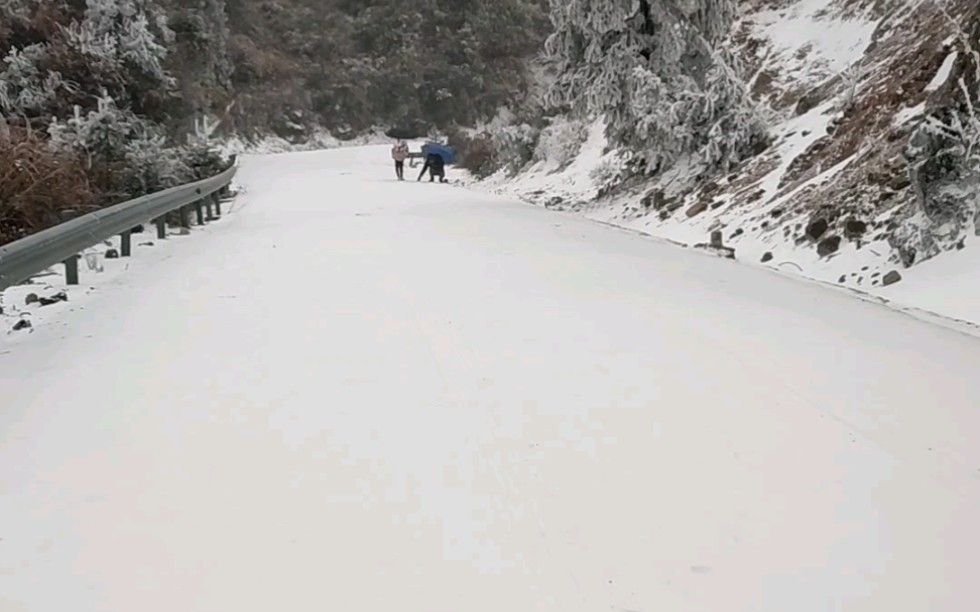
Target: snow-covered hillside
column 847, row 83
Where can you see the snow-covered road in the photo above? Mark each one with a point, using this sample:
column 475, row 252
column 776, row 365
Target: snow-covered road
column 354, row 394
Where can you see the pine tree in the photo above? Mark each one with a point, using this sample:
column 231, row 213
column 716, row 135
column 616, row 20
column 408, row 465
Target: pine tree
column 660, row 73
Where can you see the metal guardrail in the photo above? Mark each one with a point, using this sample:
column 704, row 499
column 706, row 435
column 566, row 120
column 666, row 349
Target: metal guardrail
column 22, row 259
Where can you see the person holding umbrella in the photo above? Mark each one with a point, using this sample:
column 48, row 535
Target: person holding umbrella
column 399, row 153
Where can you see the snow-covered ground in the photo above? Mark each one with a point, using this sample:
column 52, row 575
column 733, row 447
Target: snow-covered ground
column 360, row 394
column 843, row 83
column 944, row 288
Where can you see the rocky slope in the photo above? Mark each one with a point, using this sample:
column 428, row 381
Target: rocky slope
column 871, row 168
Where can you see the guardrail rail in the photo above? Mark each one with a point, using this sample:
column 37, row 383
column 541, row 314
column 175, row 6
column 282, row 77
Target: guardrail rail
column 24, row 258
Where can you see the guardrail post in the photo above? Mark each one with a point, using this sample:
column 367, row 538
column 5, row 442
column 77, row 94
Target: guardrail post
column 208, row 204
column 127, row 244
column 71, row 270
column 161, row 224
column 217, row 203
column 199, row 210
column 185, row 217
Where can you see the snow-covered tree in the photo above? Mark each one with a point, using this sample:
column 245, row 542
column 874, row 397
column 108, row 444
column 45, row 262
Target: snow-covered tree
column 132, row 32
column 111, row 135
column 661, row 74
column 25, row 89
column 200, row 29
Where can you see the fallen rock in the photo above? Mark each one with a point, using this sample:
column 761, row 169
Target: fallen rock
column 807, row 103
column 61, row 296
column 31, row 299
column 767, row 256
column 22, row 324
column 854, row 228
column 697, row 209
column 726, row 252
column 655, row 199
column 816, row 229
column 828, row 246
column 112, row 254
column 891, row 278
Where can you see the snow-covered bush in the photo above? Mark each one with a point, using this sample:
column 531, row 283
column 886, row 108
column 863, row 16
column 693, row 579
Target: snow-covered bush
column 152, row 166
column 607, row 173
column 38, row 186
column 515, row 145
column 561, row 140
column 142, row 160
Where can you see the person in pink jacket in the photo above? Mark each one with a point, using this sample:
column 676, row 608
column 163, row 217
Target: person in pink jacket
column 399, row 153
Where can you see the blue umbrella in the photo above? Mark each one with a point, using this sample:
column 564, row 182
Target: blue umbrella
column 448, row 154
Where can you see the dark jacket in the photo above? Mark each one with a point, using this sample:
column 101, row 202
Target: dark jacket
column 435, row 165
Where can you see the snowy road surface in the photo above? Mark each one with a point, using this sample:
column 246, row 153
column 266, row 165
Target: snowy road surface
column 360, row 395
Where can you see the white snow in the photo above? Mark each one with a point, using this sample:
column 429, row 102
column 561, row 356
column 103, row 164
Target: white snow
column 359, row 394
column 909, row 113
column 942, row 75
column 945, row 285
column 810, row 43
column 573, row 181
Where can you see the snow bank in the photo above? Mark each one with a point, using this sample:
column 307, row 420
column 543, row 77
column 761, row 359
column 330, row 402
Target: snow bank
column 836, row 153
column 319, row 140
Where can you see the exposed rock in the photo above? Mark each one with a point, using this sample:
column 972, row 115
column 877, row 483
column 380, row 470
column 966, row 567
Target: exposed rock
column 697, row 209
column 828, row 246
column 722, row 251
column 807, row 103
column 816, row 229
column 112, row 254
column 767, row 256
column 61, row 296
column 842, row 279
column 900, row 182
column 31, row 299
column 854, row 228
column 22, row 324
column 891, row 278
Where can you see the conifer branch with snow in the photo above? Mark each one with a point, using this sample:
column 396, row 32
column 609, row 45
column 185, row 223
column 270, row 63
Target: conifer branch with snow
column 660, row 73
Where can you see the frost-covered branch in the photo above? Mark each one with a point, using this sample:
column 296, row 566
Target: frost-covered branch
column 659, row 72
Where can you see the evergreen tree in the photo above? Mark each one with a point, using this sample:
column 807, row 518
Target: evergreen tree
column 660, row 73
